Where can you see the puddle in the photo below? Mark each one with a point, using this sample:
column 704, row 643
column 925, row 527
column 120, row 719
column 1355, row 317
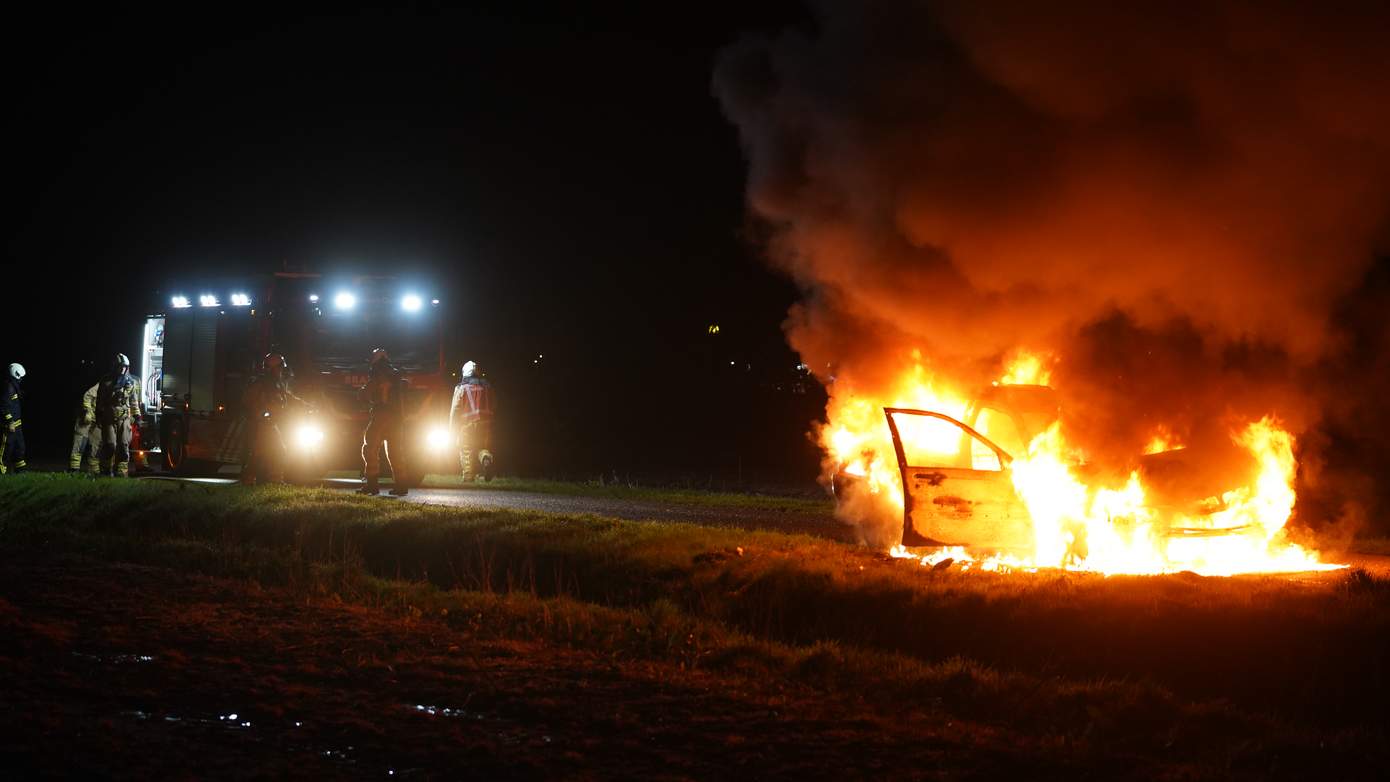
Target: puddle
column 116, row 659
column 510, row 735
column 231, row 720
column 445, row 711
column 234, row 720
column 346, row 755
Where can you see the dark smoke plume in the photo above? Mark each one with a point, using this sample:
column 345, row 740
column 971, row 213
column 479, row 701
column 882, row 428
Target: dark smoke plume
column 1176, row 199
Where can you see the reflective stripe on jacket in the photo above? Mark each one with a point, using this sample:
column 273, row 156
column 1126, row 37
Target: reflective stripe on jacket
column 472, row 402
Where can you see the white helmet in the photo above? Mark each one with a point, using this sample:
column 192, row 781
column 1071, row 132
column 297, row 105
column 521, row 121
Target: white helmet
column 17, row 371
column 470, row 368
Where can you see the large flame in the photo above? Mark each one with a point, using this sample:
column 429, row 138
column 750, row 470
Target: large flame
column 859, row 444
column 1078, row 522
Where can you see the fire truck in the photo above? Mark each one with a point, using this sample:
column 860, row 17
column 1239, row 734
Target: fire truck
column 206, row 343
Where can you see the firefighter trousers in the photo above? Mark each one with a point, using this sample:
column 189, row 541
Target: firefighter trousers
column 12, row 449
column 114, row 453
column 265, row 455
column 475, row 446
column 85, row 438
column 384, row 430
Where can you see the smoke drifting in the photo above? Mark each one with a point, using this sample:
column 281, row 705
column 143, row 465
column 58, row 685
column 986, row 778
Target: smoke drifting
column 1173, row 199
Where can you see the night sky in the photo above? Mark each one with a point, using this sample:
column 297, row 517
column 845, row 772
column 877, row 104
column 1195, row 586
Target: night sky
column 566, row 177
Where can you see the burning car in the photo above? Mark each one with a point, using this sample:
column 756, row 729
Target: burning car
column 997, row 479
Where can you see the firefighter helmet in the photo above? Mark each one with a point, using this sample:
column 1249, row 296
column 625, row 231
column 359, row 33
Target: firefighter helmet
column 17, row 371
column 470, row 369
column 379, row 355
column 122, row 363
column 274, row 361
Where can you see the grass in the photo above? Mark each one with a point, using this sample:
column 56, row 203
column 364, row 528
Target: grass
column 1132, row 662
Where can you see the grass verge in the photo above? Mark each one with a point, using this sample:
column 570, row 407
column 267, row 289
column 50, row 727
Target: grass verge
column 1131, row 663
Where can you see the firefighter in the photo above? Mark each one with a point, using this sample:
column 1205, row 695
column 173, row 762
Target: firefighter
column 117, row 407
column 85, row 434
column 12, row 427
column 267, row 398
column 385, row 392
column 470, row 419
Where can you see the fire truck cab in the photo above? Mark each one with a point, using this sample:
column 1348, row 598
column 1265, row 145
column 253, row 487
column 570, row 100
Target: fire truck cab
column 202, row 349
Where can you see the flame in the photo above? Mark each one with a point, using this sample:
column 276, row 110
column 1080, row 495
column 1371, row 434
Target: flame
column 857, row 443
column 1163, row 441
column 1027, row 368
column 1079, row 523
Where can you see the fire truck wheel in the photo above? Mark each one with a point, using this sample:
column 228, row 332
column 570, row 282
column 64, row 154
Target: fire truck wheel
column 175, row 454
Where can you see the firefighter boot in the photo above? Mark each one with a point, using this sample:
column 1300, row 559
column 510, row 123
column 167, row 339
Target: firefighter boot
column 399, row 491
column 370, row 487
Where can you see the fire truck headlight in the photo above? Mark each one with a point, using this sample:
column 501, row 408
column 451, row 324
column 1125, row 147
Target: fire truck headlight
column 308, row 437
column 181, row 302
column 344, row 300
column 208, row 300
column 241, row 300
column 437, row 438
column 411, row 303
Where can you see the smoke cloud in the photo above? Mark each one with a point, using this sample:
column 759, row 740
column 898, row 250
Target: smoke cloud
column 1173, row 199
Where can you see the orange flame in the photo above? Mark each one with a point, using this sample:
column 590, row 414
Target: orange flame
column 1077, row 524
column 1163, row 441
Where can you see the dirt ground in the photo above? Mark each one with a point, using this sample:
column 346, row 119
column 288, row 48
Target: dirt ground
column 119, row 670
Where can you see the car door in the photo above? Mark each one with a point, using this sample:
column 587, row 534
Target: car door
column 957, row 488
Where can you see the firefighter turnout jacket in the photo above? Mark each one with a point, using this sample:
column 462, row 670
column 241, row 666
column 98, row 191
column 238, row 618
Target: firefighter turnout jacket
column 470, row 418
column 87, row 413
column 385, row 392
column 267, row 394
column 266, row 399
column 9, row 403
column 117, row 398
column 472, row 403
column 11, row 427
column 117, row 407
column 86, row 436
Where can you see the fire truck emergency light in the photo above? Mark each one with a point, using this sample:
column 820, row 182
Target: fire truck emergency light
column 207, row 300
column 344, row 301
column 411, row 303
column 180, row 302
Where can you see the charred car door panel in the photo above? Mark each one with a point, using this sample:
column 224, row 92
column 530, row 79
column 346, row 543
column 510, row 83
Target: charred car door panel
column 963, row 496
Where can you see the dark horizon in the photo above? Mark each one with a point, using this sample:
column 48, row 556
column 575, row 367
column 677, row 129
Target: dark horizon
column 566, row 180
